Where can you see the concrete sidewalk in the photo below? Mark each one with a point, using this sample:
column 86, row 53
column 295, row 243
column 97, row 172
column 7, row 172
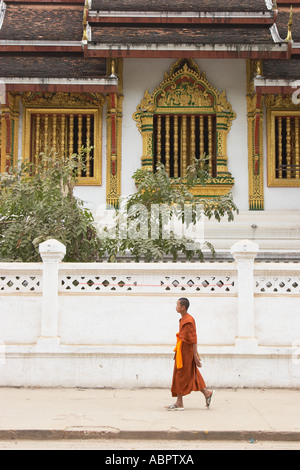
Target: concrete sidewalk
column 140, row 414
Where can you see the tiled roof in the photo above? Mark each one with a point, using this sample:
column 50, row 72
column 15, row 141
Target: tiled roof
column 282, row 69
column 166, row 30
column 155, row 28
column 282, row 22
column 208, row 34
column 42, row 22
column 51, row 66
column 180, row 5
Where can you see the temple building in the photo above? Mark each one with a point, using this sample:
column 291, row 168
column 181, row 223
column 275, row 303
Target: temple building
column 162, row 81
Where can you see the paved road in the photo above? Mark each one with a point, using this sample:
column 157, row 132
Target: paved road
column 136, row 445
column 116, row 419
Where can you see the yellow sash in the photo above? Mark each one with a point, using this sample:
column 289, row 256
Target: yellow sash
column 179, row 363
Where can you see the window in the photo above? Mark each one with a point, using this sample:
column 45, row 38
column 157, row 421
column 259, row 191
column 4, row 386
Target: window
column 287, row 157
column 65, row 132
column 180, row 138
column 184, row 118
column 283, row 127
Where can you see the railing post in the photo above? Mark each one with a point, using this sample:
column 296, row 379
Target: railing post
column 244, row 253
column 52, row 253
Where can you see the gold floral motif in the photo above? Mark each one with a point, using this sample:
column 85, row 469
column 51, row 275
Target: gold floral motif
column 281, row 103
column 185, row 94
column 65, row 100
column 255, row 149
column 147, row 104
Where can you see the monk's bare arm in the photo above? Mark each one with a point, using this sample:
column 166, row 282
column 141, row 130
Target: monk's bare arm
column 196, row 356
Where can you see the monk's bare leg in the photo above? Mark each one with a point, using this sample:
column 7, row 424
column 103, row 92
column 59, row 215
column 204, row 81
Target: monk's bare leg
column 179, row 401
column 208, row 396
column 206, row 393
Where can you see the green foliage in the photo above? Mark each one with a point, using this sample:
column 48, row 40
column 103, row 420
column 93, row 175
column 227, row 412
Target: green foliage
column 159, row 189
column 37, row 204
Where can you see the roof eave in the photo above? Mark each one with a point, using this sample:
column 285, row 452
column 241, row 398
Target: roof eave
column 195, row 51
column 153, row 17
column 99, row 85
column 279, row 86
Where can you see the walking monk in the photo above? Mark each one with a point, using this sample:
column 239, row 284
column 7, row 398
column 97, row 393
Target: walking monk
column 186, row 377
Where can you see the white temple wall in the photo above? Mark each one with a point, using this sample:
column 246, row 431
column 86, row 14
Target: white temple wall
column 115, row 325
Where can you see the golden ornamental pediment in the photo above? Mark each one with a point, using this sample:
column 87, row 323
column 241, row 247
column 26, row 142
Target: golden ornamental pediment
column 62, row 100
column 281, row 102
column 184, row 90
column 184, row 94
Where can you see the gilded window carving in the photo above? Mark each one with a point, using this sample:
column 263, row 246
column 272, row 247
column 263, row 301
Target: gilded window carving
column 283, row 125
column 65, row 123
column 186, row 117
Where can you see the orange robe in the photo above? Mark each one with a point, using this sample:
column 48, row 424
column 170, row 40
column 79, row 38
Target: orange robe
column 186, row 377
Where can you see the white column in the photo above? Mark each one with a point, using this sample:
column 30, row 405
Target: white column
column 52, row 253
column 244, row 253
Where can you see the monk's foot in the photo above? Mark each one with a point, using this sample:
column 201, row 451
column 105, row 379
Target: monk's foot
column 208, row 398
column 175, row 407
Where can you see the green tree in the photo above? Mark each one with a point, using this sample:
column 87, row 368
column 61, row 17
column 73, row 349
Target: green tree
column 157, row 188
column 37, row 203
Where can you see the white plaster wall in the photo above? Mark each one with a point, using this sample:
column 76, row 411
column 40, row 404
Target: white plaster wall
column 277, row 321
column 147, row 320
column 128, row 342
column 20, row 319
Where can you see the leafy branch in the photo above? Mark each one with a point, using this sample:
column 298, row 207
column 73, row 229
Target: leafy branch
column 37, row 203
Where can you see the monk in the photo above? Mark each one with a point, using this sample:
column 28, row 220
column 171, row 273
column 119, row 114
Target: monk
column 186, row 377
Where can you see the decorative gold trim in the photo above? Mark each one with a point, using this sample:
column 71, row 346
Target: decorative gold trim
column 272, row 180
column 9, row 125
column 3, row 110
column 186, row 91
column 289, row 27
column 281, row 103
column 15, row 114
column 215, row 188
column 255, row 138
column 62, row 100
column 65, row 104
column 84, row 22
column 114, row 117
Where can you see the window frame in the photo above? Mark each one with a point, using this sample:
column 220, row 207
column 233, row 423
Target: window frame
column 274, row 182
column 66, row 103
